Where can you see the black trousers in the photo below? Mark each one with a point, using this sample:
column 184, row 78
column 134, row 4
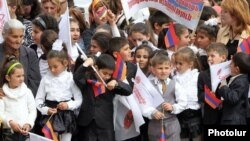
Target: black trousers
column 7, row 135
column 94, row 133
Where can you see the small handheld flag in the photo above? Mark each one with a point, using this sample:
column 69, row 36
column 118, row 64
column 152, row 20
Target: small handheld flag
column 49, row 132
column 162, row 137
column 244, row 46
column 171, row 38
column 210, row 98
column 120, row 68
column 97, row 87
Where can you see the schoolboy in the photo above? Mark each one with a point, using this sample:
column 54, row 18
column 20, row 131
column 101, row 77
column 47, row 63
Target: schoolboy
column 217, row 53
column 95, row 120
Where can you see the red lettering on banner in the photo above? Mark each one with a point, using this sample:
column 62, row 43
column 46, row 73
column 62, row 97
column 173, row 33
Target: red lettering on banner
column 141, row 100
column 188, row 4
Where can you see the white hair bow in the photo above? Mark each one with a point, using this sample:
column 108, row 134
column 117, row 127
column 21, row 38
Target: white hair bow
column 57, row 45
column 211, row 22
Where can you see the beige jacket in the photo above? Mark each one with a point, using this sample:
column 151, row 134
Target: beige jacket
column 223, row 35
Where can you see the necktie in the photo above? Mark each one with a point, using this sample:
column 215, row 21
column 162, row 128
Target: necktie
column 164, row 86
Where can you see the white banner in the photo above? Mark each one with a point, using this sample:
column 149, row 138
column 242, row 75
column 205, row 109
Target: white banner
column 218, row 73
column 186, row 12
column 4, row 16
column 35, row 137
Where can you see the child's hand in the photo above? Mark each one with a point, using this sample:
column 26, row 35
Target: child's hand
column 1, row 93
column 167, row 106
column 88, row 62
column 111, row 17
column 52, row 111
column 26, row 128
column 158, row 115
column 111, row 84
column 63, row 106
column 15, row 126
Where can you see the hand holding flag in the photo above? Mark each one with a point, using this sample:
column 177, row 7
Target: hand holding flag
column 244, row 46
column 210, row 98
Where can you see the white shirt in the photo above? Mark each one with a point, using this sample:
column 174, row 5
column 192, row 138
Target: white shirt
column 43, row 66
column 18, row 105
column 74, row 53
column 58, row 88
column 186, row 86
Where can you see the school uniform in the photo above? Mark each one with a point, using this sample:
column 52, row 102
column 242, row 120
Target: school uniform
column 16, row 102
column 170, row 122
column 52, row 91
column 235, row 95
column 202, row 57
column 95, row 119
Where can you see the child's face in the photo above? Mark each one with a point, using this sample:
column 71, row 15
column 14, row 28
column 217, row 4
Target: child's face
column 15, row 79
column 184, row 38
column 56, row 66
column 105, row 73
column 202, row 40
column 94, row 47
column 182, row 65
column 138, row 37
column 75, row 32
column 141, row 57
column 214, row 57
column 36, row 34
column 161, row 71
column 125, row 52
column 234, row 69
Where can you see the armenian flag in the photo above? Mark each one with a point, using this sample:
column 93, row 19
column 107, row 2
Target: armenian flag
column 49, row 132
column 245, row 46
column 97, row 87
column 162, row 137
column 210, row 98
column 171, row 38
column 120, row 68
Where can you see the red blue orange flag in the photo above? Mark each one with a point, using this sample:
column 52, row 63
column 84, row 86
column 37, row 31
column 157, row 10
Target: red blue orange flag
column 162, row 137
column 210, row 98
column 120, row 68
column 244, row 46
column 171, row 38
column 97, row 87
column 49, row 132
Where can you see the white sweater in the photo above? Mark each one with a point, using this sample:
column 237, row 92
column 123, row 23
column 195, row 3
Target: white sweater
column 18, row 105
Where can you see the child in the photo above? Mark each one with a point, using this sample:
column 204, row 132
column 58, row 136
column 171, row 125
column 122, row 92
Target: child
column 99, row 43
column 142, row 55
column 95, row 119
column 217, row 53
column 186, row 86
column 75, row 37
column 17, row 107
column 161, row 69
column 205, row 35
column 58, row 94
column 235, row 91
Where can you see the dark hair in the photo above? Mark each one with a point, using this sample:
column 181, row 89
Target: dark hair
column 105, row 61
column 45, row 21
column 160, row 18
column 10, row 61
column 60, row 55
column 242, row 60
column 209, row 31
column 102, row 39
column 161, row 43
column 179, row 29
column 207, row 13
column 47, row 39
column 159, row 57
column 116, row 43
column 146, row 47
column 77, row 14
column 35, row 8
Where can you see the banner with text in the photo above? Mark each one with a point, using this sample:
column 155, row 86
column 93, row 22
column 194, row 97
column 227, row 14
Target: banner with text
column 186, row 12
column 4, row 16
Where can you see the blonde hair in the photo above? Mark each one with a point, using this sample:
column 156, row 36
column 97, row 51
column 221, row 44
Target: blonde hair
column 187, row 55
column 55, row 2
column 239, row 9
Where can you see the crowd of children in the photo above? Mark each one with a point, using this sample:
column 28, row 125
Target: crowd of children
column 77, row 93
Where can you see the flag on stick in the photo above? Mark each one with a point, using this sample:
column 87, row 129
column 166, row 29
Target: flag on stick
column 210, row 98
column 171, row 38
column 120, row 68
column 244, row 46
column 97, row 87
column 49, row 132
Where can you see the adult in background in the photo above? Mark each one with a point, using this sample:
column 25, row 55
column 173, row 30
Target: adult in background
column 13, row 33
column 235, row 14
